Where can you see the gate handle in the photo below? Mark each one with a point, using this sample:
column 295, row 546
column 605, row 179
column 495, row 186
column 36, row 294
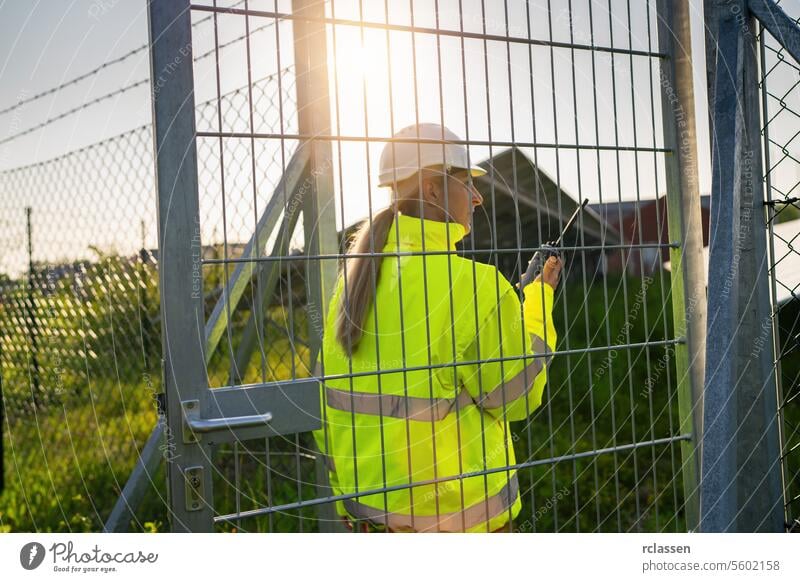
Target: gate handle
column 206, row 425
column 193, row 423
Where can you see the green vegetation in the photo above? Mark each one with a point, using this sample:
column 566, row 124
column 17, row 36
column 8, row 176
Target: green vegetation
column 66, row 466
column 603, row 399
column 68, row 456
column 78, row 349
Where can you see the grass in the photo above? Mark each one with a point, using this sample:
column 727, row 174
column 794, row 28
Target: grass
column 65, row 465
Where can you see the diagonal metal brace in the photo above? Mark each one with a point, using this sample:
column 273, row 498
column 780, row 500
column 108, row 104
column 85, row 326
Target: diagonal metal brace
column 235, row 287
column 778, row 23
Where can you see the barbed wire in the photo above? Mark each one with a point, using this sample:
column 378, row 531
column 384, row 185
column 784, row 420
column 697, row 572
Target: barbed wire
column 96, row 70
column 74, row 81
column 72, row 111
column 116, row 92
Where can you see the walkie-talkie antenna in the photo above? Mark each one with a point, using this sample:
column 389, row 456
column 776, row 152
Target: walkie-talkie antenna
column 570, row 222
column 547, row 250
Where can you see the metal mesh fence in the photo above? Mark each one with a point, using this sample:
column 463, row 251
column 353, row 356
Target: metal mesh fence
column 79, row 300
column 80, row 333
column 79, row 330
column 79, row 304
column 603, row 452
column 79, row 295
column 79, row 287
column 781, row 122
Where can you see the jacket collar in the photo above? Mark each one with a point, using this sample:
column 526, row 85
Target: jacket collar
column 436, row 234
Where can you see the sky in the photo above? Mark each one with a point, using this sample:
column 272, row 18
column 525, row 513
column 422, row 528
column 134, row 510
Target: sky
column 44, row 43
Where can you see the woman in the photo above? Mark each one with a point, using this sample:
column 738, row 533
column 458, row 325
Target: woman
column 424, row 355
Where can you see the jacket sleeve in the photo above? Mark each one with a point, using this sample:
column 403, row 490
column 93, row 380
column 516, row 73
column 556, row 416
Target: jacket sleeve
column 511, row 389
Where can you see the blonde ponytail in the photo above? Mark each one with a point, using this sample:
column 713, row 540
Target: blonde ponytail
column 362, row 274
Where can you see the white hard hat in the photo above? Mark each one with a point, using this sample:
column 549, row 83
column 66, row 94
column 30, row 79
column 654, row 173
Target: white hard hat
column 403, row 159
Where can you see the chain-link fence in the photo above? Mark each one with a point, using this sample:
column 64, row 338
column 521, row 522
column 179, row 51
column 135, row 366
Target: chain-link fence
column 79, row 295
column 781, row 127
column 79, row 273
column 80, row 332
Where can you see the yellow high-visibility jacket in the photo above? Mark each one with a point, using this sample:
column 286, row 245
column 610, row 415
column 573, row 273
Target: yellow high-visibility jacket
column 449, row 333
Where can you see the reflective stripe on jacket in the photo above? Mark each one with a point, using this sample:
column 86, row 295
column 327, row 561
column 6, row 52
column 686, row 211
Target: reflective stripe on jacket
column 449, row 334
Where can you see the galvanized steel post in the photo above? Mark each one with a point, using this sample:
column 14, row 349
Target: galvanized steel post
column 180, row 259
column 319, row 211
column 740, row 481
column 685, row 227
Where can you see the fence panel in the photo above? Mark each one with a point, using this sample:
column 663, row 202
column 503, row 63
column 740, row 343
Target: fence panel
column 603, row 453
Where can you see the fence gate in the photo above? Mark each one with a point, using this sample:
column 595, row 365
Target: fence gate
column 559, row 102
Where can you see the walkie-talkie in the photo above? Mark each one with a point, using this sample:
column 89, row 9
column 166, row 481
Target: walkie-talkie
column 549, row 249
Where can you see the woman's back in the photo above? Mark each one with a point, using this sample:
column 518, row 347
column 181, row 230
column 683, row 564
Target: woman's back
column 404, row 407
